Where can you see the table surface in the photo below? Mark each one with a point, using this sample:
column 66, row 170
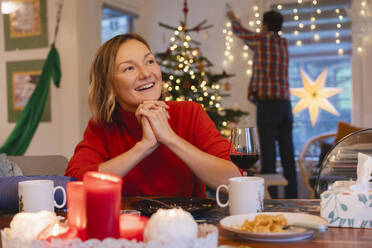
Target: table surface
column 333, row 237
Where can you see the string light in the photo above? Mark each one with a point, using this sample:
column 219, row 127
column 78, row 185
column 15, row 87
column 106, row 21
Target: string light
column 340, row 51
column 228, row 43
column 257, row 16
column 362, row 21
column 312, row 21
column 253, row 25
column 296, row 17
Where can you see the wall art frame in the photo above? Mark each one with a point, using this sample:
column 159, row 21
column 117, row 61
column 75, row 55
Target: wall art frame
column 22, row 78
column 27, row 27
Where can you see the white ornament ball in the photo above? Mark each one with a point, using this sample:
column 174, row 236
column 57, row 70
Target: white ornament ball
column 171, row 225
column 26, row 226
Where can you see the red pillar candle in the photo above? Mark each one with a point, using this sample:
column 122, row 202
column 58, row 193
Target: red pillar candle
column 76, row 207
column 103, row 203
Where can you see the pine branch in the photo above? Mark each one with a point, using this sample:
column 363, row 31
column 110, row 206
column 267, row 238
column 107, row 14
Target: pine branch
column 200, row 29
column 167, row 26
column 200, row 26
column 218, row 77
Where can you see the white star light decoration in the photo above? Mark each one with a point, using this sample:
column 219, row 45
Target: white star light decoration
column 314, row 95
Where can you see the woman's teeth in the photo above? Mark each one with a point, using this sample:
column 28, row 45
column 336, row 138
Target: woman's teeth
column 145, row 87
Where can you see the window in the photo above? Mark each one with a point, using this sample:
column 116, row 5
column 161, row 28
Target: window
column 115, row 21
column 323, row 41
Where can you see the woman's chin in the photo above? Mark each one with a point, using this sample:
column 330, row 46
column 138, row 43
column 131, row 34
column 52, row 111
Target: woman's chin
column 151, row 97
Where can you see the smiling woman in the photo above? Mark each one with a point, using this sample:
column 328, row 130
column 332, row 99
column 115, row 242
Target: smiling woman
column 159, row 148
column 137, row 75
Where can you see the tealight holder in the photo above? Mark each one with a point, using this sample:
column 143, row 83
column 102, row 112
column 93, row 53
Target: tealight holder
column 76, row 215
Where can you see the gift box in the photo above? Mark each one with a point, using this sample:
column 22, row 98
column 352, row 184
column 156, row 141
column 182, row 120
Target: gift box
column 344, row 207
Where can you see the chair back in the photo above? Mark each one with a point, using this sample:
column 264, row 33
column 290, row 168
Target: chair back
column 41, row 165
column 308, row 160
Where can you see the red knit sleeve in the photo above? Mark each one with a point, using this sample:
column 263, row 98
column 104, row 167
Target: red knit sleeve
column 89, row 153
column 207, row 137
column 250, row 38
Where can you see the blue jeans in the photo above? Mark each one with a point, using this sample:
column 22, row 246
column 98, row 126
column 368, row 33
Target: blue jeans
column 274, row 122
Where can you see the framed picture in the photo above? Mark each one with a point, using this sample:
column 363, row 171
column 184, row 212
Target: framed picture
column 26, row 27
column 22, row 78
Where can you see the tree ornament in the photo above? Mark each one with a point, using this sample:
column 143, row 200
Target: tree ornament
column 186, row 85
column 226, row 86
column 185, row 9
column 200, row 66
column 196, row 52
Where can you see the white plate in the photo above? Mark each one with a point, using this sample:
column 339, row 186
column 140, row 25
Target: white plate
column 230, row 223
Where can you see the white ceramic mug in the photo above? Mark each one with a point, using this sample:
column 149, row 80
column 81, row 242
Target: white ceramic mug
column 246, row 195
column 37, row 195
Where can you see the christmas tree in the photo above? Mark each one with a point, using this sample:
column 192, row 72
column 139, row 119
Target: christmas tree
column 188, row 77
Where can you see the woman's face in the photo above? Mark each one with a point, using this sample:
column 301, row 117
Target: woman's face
column 137, row 75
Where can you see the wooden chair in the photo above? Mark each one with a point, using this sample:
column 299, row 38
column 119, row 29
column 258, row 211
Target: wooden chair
column 272, row 180
column 308, row 159
column 41, row 165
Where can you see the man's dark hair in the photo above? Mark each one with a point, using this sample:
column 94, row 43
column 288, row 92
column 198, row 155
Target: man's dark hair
column 273, row 20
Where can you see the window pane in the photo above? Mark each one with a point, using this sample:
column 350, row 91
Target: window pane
column 339, row 75
column 315, row 47
column 113, row 23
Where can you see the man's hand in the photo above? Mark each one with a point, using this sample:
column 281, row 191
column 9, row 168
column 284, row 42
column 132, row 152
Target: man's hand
column 231, row 15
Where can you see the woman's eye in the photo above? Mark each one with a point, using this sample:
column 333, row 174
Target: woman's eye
column 151, row 61
column 129, row 68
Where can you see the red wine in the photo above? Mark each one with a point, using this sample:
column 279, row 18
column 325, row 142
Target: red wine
column 245, row 161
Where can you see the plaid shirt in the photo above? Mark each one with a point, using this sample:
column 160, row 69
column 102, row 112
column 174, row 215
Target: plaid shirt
column 270, row 64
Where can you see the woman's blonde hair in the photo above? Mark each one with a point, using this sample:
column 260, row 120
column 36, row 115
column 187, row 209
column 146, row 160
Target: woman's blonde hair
column 101, row 97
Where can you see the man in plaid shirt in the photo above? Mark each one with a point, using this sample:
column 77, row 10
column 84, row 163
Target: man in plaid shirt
column 269, row 90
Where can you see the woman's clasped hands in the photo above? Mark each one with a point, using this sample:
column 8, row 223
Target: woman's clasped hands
column 154, row 116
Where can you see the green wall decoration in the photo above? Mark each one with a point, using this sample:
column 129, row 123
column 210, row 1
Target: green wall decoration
column 22, row 78
column 27, row 27
column 29, row 119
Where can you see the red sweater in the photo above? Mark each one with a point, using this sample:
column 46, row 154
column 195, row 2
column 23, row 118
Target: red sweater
column 161, row 172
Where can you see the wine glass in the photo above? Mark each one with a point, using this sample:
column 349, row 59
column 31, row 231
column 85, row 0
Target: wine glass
column 244, row 148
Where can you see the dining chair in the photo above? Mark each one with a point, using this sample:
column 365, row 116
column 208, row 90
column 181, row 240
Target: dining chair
column 309, row 157
column 41, row 165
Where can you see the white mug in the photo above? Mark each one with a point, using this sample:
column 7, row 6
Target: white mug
column 246, row 195
column 37, row 195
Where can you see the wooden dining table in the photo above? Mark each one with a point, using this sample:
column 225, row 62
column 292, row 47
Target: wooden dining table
column 332, row 237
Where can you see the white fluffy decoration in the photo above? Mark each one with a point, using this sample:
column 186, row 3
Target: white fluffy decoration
column 27, row 226
column 170, row 226
column 208, row 238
